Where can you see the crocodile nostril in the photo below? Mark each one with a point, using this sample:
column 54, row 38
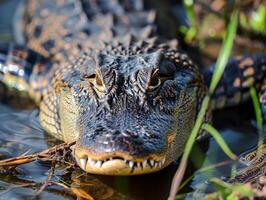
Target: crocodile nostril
column 128, row 133
column 116, row 132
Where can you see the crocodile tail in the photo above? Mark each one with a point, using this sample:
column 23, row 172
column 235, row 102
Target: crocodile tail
column 240, row 74
column 20, row 69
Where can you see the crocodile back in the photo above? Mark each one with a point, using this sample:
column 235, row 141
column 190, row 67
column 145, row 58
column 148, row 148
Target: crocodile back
column 60, row 29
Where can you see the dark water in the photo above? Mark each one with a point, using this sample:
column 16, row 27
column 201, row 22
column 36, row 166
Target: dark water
column 20, row 132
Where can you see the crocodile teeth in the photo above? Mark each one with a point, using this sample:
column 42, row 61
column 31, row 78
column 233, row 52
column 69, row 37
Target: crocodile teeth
column 144, row 163
column 138, row 164
column 163, row 161
column 92, row 162
column 131, row 164
column 98, row 163
column 83, row 163
column 152, row 163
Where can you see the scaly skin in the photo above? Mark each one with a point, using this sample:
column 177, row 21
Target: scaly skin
column 255, row 166
column 129, row 111
column 129, row 100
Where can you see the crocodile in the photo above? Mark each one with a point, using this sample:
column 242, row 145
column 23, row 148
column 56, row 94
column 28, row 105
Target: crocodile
column 103, row 76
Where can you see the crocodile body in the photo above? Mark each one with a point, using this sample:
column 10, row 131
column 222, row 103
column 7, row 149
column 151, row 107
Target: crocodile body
column 101, row 78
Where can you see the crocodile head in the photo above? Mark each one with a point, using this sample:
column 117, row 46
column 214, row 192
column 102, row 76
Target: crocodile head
column 130, row 109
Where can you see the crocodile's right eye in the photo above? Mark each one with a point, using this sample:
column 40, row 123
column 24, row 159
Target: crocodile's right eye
column 155, row 81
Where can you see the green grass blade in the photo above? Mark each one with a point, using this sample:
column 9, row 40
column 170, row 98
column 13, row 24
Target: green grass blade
column 190, row 32
column 224, row 52
column 258, row 114
column 232, row 191
column 219, row 68
column 216, row 135
column 196, row 127
column 202, row 170
column 256, row 105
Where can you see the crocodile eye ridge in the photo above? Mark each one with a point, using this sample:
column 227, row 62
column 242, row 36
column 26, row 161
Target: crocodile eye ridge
column 96, row 81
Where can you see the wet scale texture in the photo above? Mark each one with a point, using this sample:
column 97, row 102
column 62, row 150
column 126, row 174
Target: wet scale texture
column 248, row 72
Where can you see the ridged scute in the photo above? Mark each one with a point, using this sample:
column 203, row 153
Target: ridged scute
column 62, row 29
column 116, row 88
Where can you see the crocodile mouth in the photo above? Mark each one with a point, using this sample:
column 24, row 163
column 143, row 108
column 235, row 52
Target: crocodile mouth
column 116, row 165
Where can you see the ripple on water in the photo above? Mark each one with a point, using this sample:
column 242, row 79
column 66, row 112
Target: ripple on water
column 20, row 131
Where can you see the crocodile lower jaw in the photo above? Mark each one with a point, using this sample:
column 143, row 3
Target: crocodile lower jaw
column 119, row 166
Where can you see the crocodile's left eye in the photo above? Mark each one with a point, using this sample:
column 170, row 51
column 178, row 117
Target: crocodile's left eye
column 166, row 71
column 96, row 82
